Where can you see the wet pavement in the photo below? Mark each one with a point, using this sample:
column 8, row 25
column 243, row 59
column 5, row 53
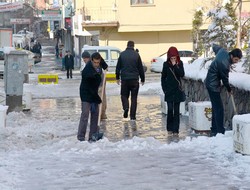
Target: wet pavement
column 150, row 121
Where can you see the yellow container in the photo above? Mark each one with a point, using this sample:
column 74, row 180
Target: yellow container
column 47, row 79
column 111, row 77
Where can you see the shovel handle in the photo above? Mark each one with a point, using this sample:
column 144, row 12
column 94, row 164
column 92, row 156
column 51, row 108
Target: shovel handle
column 102, row 93
column 233, row 103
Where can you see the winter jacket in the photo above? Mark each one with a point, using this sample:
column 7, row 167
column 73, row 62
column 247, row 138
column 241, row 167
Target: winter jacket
column 69, row 62
column 129, row 66
column 219, row 70
column 170, row 86
column 91, row 80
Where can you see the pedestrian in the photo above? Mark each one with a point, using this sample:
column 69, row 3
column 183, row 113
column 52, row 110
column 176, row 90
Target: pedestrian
column 128, row 70
column 219, row 71
column 91, row 80
column 171, row 85
column 85, row 59
column 69, row 64
column 104, row 66
column 57, row 51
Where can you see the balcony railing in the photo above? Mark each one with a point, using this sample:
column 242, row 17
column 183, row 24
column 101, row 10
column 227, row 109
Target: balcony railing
column 100, row 15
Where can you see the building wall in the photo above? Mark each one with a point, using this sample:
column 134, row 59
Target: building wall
column 150, row 44
column 162, row 15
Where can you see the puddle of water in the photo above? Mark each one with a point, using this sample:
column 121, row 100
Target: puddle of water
column 150, row 121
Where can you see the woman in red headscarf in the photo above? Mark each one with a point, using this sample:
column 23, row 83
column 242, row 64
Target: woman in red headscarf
column 171, row 85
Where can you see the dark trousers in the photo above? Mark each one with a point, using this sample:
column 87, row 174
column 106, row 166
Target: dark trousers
column 130, row 87
column 86, row 109
column 217, row 113
column 69, row 72
column 173, row 117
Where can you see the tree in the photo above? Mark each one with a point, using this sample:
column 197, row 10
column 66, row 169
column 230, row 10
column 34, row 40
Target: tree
column 221, row 31
column 196, row 32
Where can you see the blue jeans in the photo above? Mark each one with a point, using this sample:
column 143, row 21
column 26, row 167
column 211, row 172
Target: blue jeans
column 217, row 113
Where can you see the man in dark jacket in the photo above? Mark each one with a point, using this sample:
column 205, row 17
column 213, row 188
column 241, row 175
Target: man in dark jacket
column 91, row 80
column 129, row 68
column 69, row 64
column 219, row 71
column 104, row 66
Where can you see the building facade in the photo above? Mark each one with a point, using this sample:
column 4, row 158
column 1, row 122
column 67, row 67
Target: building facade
column 154, row 25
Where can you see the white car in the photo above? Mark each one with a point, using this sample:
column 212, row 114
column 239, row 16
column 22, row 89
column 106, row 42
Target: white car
column 108, row 53
column 28, row 33
column 186, row 56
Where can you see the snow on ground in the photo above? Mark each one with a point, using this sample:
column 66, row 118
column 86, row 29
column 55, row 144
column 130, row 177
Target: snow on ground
column 71, row 89
column 44, row 154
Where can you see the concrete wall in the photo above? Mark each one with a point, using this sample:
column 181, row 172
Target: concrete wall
column 196, row 91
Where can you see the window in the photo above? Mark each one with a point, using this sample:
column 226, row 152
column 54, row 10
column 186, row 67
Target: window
column 104, row 54
column 114, row 54
column 141, row 2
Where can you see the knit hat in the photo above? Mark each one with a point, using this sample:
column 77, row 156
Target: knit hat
column 173, row 52
column 85, row 54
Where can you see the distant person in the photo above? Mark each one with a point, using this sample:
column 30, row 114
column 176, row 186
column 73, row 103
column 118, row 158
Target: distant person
column 104, row 66
column 57, row 51
column 39, row 46
column 69, row 64
column 85, row 59
column 171, row 82
column 219, row 71
column 128, row 70
column 91, row 81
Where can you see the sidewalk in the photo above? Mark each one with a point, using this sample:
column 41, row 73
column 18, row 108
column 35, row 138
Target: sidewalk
column 150, row 121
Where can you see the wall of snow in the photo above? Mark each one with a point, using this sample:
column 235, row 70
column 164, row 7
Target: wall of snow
column 196, row 91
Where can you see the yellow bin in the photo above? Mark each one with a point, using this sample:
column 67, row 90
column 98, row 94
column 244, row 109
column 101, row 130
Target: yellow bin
column 48, row 79
column 110, row 77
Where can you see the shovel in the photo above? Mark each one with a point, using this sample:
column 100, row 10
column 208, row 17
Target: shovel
column 233, row 103
column 102, row 92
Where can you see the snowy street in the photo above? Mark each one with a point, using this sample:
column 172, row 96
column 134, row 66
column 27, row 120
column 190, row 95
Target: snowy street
column 39, row 149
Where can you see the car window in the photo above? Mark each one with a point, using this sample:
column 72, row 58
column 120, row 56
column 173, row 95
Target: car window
column 104, row 54
column 186, row 53
column 114, row 54
column 1, row 55
column 189, row 53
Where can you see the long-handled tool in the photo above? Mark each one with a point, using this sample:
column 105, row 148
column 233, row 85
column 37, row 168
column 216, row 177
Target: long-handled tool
column 233, row 103
column 102, row 93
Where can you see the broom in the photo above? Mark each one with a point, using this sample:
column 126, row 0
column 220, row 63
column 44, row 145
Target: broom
column 102, row 93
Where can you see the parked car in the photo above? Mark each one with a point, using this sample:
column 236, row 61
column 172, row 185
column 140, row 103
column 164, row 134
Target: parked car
column 157, row 62
column 109, row 54
column 28, row 33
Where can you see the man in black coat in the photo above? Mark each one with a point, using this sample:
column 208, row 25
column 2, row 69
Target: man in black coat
column 104, row 66
column 219, row 71
column 129, row 68
column 91, row 80
column 69, row 63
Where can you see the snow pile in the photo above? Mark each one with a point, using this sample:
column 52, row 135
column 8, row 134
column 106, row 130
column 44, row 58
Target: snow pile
column 46, row 155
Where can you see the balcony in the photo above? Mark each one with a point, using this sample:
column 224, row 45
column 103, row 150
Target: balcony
column 100, row 17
